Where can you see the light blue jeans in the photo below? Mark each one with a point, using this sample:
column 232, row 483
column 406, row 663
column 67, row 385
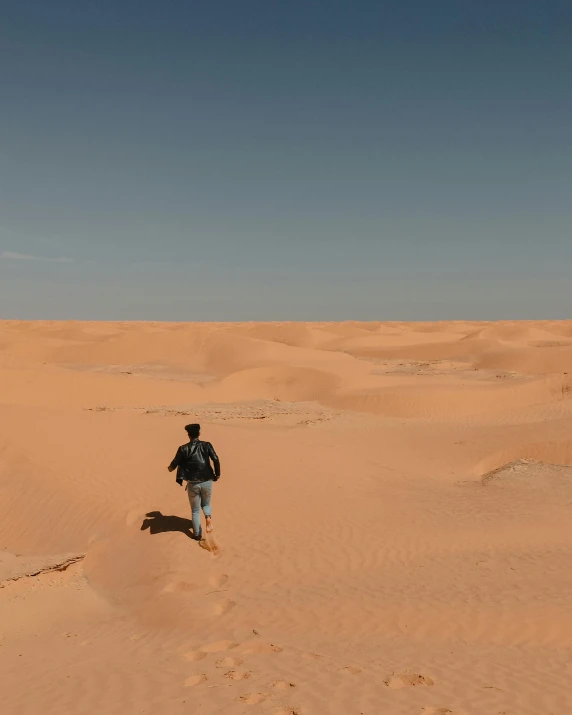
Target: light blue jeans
column 199, row 496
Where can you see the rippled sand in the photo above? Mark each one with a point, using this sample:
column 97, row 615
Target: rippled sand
column 392, row 528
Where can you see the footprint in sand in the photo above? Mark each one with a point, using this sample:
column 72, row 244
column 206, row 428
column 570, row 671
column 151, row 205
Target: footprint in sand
column 436, row 711
column 179, row 587
column 134, row 516
column 351, row 670
column 259, row 648
column 209, row 544
column 229, row 662
column 195, row 680
column 407, row 680
column 237, row 674
column 217, row 646
column 312, row 656
column 224, row 607
column 283, row 684
column 287, row 710
column 253, row 698
column 219, row 580
column 194, row 656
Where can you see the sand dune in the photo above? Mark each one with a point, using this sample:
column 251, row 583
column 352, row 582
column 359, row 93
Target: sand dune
column 391, row 528
column 291, row 384
column 516, row 333
column 445, row 401
column 541, row 360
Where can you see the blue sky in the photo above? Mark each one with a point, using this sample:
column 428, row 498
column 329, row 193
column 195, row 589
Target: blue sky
column 185, row 160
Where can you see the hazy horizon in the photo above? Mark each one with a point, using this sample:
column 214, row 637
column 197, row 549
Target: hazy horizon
column 269, row 161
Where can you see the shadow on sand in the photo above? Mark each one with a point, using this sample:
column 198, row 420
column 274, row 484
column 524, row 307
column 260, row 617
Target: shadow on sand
column 158, row 523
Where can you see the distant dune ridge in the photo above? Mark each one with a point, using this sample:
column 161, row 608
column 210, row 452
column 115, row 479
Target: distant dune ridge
column 392, row 527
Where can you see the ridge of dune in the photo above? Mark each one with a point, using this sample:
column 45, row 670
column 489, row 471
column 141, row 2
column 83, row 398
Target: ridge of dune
column 512, row 333
column 391, row 525
column 292, row 384
column 298, row 335
column 14, row 568
column 539, row 360
column 557, row 452
column 446, row 401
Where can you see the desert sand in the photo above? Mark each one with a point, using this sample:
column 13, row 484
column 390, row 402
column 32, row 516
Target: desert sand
column 392, row 526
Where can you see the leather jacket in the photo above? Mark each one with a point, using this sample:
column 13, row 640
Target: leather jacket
column 193, row 462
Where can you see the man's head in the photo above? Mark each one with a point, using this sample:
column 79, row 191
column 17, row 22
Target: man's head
column 193, row 431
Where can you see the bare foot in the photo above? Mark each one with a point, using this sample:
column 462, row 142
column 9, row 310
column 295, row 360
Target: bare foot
column 209, row 524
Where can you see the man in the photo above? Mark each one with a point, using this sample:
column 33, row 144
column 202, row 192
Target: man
column 193, row 464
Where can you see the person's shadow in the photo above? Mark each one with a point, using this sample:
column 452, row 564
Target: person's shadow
column 158, row 523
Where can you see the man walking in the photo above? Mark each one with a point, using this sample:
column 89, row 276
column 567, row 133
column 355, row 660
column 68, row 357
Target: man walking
column 193, row 464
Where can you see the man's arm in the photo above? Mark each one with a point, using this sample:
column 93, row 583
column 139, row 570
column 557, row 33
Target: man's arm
column 175, row 463
column 215, row 460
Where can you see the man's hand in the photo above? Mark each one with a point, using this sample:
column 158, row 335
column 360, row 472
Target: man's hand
column 171, row 468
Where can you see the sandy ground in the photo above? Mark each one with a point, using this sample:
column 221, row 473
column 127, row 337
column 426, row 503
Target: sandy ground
column 392, row 527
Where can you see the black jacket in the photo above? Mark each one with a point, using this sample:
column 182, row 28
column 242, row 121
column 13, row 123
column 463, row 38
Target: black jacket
column 192, row 462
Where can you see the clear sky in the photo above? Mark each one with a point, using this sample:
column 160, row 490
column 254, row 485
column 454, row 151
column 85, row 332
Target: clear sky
column 291, row 159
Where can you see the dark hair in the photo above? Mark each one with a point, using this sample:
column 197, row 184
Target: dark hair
column 193, row 430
